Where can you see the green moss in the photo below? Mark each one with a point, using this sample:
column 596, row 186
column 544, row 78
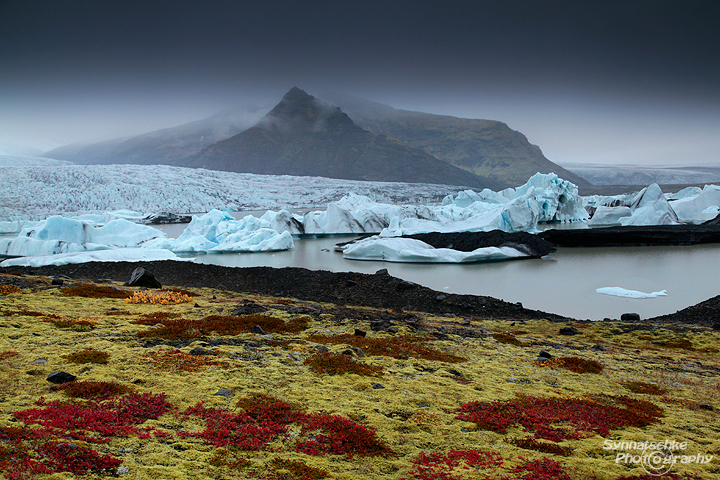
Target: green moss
column 400, row 346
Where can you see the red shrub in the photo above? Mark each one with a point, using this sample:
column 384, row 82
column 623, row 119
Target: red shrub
column 441, row 466
column 44, row 449
column 266, row 419
column 558, row 419
column 341, row 436
column 544, row 469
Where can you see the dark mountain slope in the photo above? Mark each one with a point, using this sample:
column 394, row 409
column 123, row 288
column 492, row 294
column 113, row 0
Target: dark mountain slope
column 305, row 136
column 485, row 147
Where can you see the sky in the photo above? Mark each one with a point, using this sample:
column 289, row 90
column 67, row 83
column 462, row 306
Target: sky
column 628, row 81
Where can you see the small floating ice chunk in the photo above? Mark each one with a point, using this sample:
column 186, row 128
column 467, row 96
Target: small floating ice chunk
column 623, row 292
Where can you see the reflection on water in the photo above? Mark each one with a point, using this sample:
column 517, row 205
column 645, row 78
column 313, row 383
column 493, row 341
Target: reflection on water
column 562, row 283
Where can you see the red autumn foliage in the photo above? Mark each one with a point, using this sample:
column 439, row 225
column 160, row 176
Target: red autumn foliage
column 265, row 419
column 558, row 419
column 49, row 441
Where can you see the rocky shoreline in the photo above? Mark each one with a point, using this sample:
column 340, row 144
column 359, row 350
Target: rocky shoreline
column 379, row 290
column 708, row 232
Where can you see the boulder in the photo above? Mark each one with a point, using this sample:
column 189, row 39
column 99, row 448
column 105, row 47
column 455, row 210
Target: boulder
column 59, row 377
column 569, row 331
column 142, row 278
column 248, row 307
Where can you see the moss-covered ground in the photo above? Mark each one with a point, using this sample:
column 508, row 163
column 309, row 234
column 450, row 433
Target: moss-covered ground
column 306, row 401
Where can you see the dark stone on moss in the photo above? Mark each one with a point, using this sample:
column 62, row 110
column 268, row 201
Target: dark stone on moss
column 57, row 281
column 630, row 317
column 201, row 351
column 380, row 325
column 248, row 307
column 569, row 331
column 377, row 386
column 544, row 354
column 224, row 392
column 59, row 377
column 258, row 329
column 142, row 278
column 359, row 333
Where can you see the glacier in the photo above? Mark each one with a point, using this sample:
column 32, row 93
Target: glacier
column 37, row 192
column 101, row 203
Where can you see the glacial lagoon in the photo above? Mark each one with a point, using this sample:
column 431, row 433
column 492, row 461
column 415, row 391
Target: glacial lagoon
column 563, row 282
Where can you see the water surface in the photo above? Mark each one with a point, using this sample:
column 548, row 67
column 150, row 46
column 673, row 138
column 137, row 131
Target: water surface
column 563, row 282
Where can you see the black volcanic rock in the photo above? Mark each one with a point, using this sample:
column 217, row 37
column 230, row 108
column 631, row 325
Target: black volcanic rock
column 485, row 147
column 529, row 244
column 307, row 137
column 634, row 235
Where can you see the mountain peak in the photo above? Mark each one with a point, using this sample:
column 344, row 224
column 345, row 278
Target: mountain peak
column 299, row 110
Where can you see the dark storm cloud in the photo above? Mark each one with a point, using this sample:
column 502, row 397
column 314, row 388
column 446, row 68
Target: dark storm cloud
column 156, row 54
column 614, row 45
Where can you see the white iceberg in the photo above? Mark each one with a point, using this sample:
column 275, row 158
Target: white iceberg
column 117, row 255
column 609, row 216
column 650, row 207
column 622, row 292
column 64, row 235
column 219, row 232
column 698, row 208
column 408, row 250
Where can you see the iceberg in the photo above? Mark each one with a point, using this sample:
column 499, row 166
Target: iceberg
column 219, row 232
column 117, row 255
column 698, row 208
column 650, row 207
column 622, row 292
column 392, row 249
column 609, row 216
column 65, row 235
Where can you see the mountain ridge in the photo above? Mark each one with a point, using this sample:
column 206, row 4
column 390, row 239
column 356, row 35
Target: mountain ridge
column 305, row 136
column 485, row 147
column 363, row 140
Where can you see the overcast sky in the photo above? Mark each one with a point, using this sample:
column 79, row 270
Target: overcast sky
column 626, row 81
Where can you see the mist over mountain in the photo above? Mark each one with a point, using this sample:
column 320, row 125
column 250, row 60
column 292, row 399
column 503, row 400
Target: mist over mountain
column 166, row 146
column 356, row 140
column 306, row 136
column 484, row 147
